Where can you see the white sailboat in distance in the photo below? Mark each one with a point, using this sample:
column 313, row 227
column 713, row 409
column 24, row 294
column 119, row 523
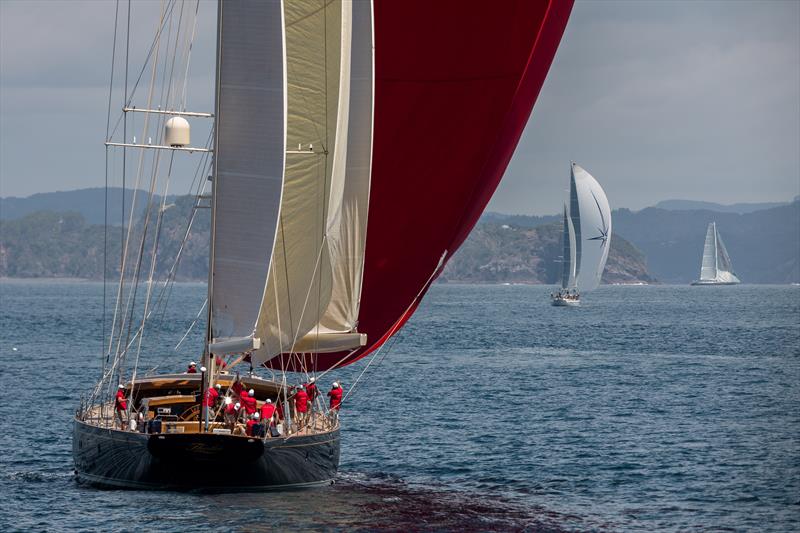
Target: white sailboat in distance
column 586, row 238
column 716, row 268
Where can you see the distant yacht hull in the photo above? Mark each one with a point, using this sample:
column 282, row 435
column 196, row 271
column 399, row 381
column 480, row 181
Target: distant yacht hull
column 712, row 282
column 110, row 458
column 562, row 302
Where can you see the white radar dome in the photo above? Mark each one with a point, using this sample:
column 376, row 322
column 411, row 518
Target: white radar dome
column 176, row 132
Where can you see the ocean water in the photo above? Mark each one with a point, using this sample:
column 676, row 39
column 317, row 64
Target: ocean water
column 649, row 408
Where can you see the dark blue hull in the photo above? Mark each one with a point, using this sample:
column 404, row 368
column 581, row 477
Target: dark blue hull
column 111, row 458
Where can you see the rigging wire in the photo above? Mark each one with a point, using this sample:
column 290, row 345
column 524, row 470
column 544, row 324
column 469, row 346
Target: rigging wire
column 103, row 356
column 129, row 97
column 131, row 300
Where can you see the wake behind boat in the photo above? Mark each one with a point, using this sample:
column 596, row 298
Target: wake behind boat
column 715, row 268
column 586, row 238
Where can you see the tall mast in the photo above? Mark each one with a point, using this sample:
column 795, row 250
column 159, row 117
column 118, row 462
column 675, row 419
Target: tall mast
column 208, row 360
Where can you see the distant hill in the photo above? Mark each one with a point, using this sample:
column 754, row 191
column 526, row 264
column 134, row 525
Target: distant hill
column 694, row 205
column 505, row 253
column 90, row 203
column 764, row 245
column 52, row 244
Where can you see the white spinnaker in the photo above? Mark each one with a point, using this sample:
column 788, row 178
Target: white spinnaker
column 299, row 285
column 248, row 161
column 595, row 229
column 349, row 199
column 708, row 268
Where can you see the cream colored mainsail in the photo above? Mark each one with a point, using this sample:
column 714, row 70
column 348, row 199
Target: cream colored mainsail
column 349, row 204
column 315, row 277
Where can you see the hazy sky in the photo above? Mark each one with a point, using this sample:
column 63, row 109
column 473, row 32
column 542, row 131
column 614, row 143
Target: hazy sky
column 657, row 99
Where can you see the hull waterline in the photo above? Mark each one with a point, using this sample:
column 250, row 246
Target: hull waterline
column 560, row 302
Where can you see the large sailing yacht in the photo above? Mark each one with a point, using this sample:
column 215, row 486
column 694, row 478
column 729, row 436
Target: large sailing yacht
column 339, row 189
column 715, row 268
column 586, row 238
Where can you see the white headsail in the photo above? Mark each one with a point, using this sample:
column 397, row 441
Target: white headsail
column 250, row 146
column 588, row 228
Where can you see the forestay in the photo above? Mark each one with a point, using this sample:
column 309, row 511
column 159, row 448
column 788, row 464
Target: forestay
column 249, row 161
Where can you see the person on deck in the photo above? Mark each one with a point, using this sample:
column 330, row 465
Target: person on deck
column 221, row 364
column 231, row 413
column 268, row 412
column 301, row 405
column 248, row 401
column 192, row 369
column 279, row 410
column 335, row 395
column 312, row 391
column 210, row 401
column 252, row 424
column 121, row 405
column 237, row 387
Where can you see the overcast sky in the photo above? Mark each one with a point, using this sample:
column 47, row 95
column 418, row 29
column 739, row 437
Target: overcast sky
column 657, row 99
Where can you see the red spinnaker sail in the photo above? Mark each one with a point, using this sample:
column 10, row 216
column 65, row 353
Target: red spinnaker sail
column 455, row 83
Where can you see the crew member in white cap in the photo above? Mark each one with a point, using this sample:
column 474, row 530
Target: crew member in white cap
column 301, row 405
column 210, row 402
column 249, row 402
column 335, row 395
column 121, row 405
column 231, row 412
column 313, row 393
column 192, row 369
column 253, row 429
column 267, row 413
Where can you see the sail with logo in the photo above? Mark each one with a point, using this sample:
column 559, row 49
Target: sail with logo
column 586, row 238
column 338, row 191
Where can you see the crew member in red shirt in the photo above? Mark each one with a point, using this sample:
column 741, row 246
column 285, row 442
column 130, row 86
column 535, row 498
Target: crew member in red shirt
column 267, row 412
column 231, row 412
column 312, row 391
column 248, row 401
column 221, row 364
column 210, row 401
column 192, row 368
column 279, row 409
column 121, row 405
column 336, row 399
column 301, row 405
column 253, row 421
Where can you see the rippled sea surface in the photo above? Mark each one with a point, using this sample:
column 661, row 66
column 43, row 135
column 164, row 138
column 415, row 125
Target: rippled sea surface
column 649, row 408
